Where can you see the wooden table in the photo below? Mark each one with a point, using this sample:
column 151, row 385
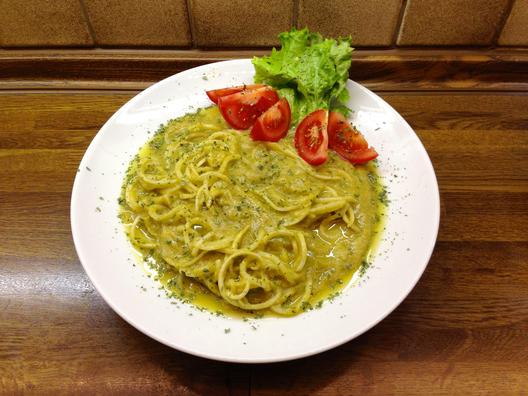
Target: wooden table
column 462, row 330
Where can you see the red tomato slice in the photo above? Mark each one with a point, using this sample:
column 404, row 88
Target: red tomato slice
column 273, row 125
column 218, row 93
column 359, row 156
column 311, row 137
column 241, row 109
column 341, row 133
column 347, row 141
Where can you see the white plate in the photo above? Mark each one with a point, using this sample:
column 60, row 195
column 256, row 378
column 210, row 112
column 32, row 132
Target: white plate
column 107, row 257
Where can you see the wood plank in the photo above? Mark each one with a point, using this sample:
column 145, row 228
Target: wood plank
column 38, row 170
column 44, row 120
column 471, row 285
column 36, row 224
column 380, row 69
column 419, row 335
column 488, row 216
column 494, row 160
column 460, row 111
column 326, row 376
column 461, row 330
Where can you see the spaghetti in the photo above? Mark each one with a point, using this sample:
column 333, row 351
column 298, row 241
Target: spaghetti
column 251, row 221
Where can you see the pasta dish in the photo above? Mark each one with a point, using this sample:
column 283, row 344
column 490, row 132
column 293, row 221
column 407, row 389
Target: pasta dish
column 247, row 224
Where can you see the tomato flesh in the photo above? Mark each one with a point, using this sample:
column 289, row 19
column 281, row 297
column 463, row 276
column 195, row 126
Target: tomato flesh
column 311, row 137
column 241, row 109
column 347, row 141
column 341, row 133
column 215, row 94
column 359, row 156
column 273, row 124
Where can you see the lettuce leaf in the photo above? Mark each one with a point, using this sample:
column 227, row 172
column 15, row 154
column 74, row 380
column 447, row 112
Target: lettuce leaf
column 309, row 71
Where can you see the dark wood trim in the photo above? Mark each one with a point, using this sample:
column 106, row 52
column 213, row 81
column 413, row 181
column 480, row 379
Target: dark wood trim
column 381, row 70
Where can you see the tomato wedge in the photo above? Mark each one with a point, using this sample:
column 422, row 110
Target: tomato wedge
column 311, row 137
column 360, row 156
column 347, row 141
column 241, row 109
column 273, row 124
column 215, row 94
column 341, row 133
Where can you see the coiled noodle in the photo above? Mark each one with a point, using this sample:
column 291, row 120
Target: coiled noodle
column 250, row 221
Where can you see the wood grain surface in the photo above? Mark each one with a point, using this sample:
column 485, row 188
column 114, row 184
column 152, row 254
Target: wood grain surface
column 402, row 69
column 462, row 330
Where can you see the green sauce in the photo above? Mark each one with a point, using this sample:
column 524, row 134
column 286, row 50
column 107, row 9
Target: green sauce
column 263, row 182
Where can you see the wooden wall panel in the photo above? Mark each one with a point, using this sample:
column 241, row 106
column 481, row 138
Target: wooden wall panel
column 515, row 31
column 240, row 23
column 367, row 22
column 139, row 23
column 451, row 22
column 43, row 23
column 252, row 24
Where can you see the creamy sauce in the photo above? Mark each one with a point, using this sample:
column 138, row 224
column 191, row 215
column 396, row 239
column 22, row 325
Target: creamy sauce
column 217, row 216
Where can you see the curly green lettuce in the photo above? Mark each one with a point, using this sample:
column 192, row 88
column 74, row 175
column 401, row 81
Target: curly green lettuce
column 309, row 71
